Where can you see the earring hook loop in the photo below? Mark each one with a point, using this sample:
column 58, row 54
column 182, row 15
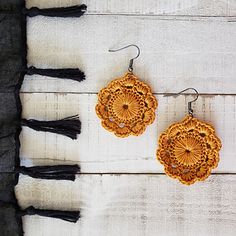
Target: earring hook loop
column 131, row 62
column 190, row 110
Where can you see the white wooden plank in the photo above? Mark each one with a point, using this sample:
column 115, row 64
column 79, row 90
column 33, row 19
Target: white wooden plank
column 132, row 205
column 174, row 54
column 97, row 150
column 148, row 7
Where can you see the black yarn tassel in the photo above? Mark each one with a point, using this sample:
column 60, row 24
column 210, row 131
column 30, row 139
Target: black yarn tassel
column 71, row 216
column 70, row 126
column 58, row 172
column 73, row 11
column 69, row 73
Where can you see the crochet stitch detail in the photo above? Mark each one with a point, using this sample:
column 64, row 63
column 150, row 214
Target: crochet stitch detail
column 189, row 150
column 126, row 106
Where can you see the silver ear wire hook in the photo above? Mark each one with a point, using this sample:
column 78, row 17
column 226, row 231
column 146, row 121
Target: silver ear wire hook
column 131, row 62
column 190, row 110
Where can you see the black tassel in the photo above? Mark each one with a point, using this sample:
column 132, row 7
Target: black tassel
column 70, row 126
column 73, row 11
column 71, row 216
column 69, row 73
column 58, row 172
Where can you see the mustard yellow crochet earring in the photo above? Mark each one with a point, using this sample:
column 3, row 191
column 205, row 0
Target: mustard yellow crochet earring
column 189, row 149
column 126, row 106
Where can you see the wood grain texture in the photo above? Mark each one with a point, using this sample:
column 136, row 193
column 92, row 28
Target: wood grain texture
column 184, row 43
column 149, row 7
column 175, row 54
column 99, row 151
column 134, row 205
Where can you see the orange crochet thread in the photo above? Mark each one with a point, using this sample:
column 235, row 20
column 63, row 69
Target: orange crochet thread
column 189, row 150
column 126, row 106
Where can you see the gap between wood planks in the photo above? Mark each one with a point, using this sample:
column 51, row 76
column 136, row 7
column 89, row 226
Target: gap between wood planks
column 230, row 18
column 125, row 173
column 93, row 93
column 138, row 173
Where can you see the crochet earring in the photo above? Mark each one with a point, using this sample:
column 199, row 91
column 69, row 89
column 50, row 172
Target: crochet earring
column 126, row 106
column 189, row 149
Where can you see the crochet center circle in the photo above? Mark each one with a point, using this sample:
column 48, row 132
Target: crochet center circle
column 126, row 106
column 189, row 150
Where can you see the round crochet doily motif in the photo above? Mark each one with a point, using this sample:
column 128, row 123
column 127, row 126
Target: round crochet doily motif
column 189, row 150
column 126, row 106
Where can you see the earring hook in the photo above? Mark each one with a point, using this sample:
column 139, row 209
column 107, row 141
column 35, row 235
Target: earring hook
column 131, row 62
column 190, row 110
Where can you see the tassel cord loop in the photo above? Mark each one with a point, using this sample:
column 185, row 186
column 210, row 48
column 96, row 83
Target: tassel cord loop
column 73, row 11
column 70, row 216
